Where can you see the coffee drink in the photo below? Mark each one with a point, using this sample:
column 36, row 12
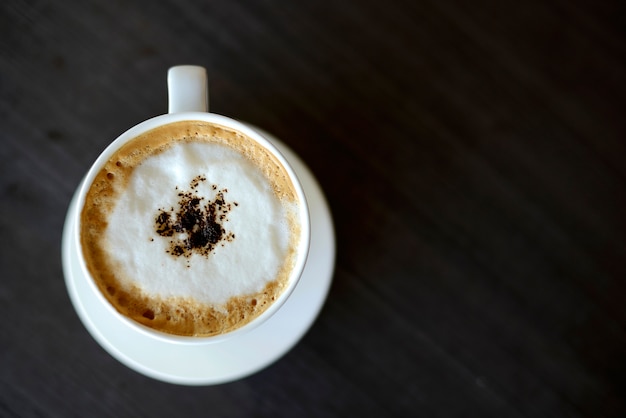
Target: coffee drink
column 191, row 228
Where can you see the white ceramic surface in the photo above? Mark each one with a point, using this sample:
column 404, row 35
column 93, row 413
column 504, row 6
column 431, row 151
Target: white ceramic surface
column 222, row 361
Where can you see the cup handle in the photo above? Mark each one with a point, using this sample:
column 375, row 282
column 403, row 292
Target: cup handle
column 187, row 89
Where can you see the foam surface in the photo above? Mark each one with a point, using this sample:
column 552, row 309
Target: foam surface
column 142, row 205
column 242, row 266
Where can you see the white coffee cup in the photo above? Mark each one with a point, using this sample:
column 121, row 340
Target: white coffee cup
column 188, row 100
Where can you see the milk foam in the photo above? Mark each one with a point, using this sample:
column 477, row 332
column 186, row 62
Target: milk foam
column 223, row 196
column 241, row 266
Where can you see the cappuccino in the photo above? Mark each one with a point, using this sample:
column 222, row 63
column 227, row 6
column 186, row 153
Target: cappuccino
column 192, row 228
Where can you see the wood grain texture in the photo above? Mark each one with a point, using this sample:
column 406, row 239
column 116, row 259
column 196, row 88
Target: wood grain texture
column 473, row 157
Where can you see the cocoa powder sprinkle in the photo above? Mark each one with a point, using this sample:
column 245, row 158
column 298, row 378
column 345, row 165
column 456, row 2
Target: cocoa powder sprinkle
column 196, row 226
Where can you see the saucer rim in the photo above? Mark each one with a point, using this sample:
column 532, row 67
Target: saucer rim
column 316, row 278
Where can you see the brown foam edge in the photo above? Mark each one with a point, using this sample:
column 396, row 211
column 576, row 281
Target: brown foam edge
column 179, row 316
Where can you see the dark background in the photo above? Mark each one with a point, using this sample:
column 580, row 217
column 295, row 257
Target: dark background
column 473, row 155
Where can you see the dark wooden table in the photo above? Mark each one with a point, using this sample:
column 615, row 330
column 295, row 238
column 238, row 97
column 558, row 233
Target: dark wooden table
column 473, row 155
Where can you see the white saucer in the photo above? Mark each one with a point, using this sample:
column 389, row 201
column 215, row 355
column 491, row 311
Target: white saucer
column 228, row 360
